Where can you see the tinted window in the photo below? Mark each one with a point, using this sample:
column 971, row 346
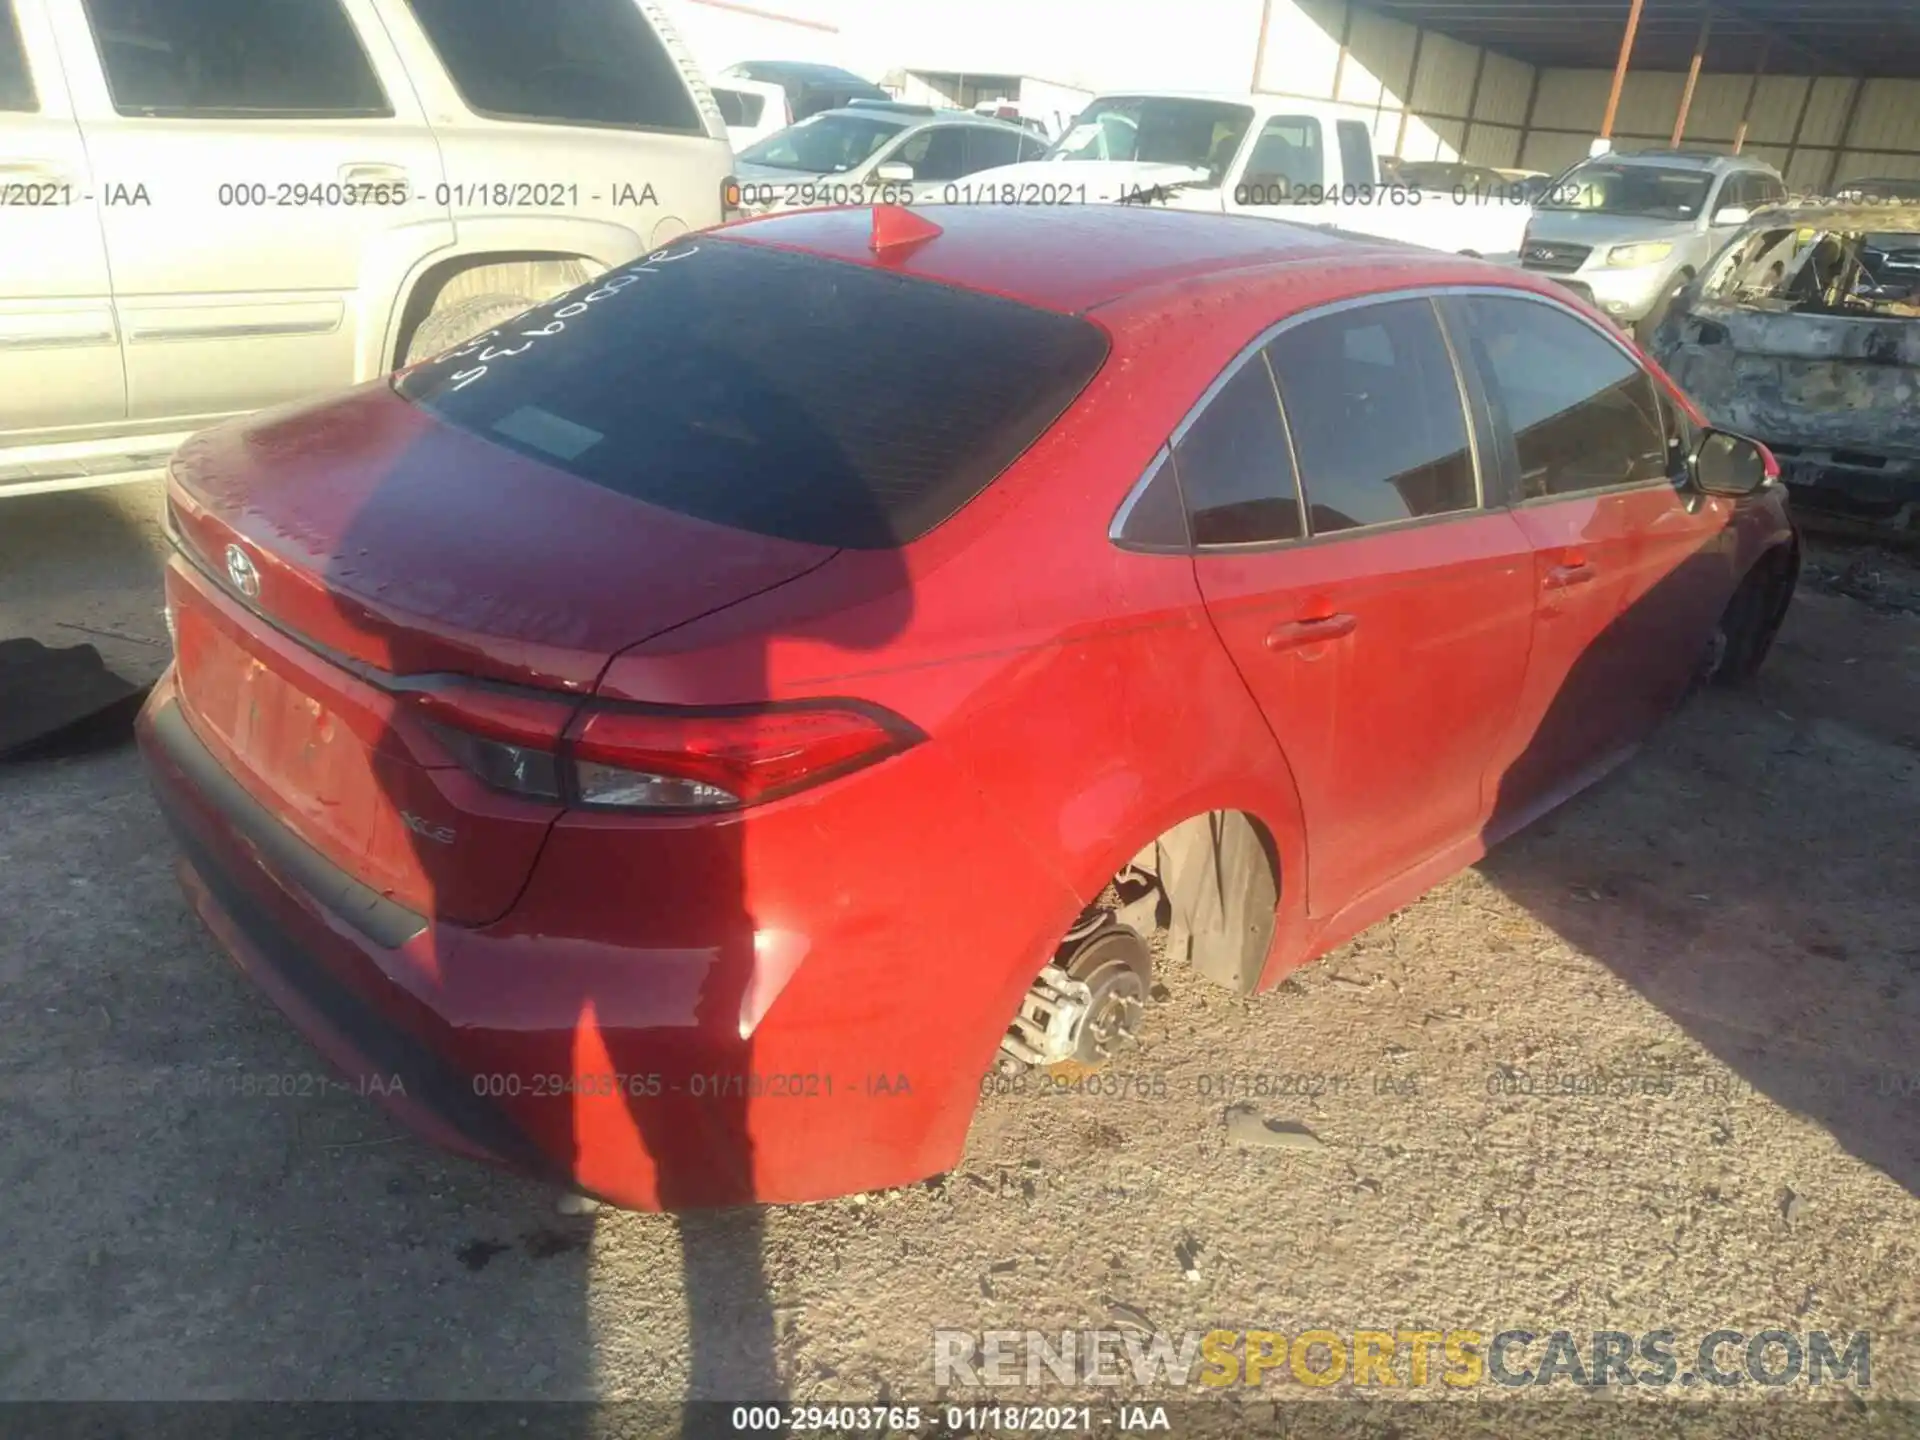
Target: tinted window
column 1234, row 468
column 1356, row 153
column 937, row 153
column 1582, row 414
column 1154, row 519
column 824, row 144
column 780, row 393
column 737, row 107
column 1287, row 156
column 584, row 62
column 233, row 58
column 1032, row 149
column 16, row 85
column 1378, row 427
column 1162, row 129
column 987, row 148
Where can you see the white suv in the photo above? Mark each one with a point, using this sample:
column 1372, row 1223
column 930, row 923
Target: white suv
column 212, row 206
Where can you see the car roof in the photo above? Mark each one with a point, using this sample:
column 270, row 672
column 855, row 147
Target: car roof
column 917, row 120
column 1074, row 258
column 802, row 70
column 1687, row 160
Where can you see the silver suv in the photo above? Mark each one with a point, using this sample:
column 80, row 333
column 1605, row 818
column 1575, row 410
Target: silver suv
column 1634, row 229
column 212, row 206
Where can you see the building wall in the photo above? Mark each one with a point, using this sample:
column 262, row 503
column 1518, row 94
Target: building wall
column 1809, row 127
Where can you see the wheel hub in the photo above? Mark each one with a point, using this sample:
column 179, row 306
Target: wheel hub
column 1086, row 1007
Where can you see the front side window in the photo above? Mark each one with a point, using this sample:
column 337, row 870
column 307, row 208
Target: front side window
column 234, row 58
column 570, row 62
column 16, row 83
column 824, row 144
column 1287, row 159
column 1032, row 148
column 938, row 152
column 1583, row 415
column 1235, row 470
column 1379, row 430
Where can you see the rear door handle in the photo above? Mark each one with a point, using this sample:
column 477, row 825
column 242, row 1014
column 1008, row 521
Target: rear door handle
column 1296, row 633
column 1565, row 577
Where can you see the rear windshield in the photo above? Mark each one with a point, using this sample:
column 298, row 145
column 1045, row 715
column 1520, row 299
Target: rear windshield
column 789, row 395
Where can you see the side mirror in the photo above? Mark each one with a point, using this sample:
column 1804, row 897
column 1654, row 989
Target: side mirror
column 894, row 172
column 1729, row 464
column 1732, row 215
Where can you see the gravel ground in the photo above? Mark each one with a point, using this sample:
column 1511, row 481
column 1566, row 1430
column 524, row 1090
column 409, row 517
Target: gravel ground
column 1736, row 912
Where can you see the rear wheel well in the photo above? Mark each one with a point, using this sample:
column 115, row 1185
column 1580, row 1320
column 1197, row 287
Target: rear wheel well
column 534, row 275
column 1210, row 887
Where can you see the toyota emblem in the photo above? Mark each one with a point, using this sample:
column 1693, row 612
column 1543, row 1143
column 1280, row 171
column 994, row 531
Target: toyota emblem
column 241, row 572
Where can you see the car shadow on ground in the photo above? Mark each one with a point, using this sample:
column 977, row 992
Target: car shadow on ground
column 1755, row 875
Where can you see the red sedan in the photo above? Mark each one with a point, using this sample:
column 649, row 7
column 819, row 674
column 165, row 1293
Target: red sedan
column 679, row 743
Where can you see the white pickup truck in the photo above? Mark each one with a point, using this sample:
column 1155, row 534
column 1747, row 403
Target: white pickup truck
column 1262, row 155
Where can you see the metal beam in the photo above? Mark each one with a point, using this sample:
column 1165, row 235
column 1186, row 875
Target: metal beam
column 1533, row 103
column 1620, row 70
column 1406, row 100
column 1346, row 40
column 1260, row 45
column 1846, row 133
column 1473, row 100
column 1800, row 125
column 1693, row 76
column 1753, row 91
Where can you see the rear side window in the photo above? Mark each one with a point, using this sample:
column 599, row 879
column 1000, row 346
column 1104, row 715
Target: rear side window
column 1356, row 152
column 737, row 107
column 1287, row 157
column 785, row 394
column 16, row 84
column 1234, row 468
column 234, row 59
column 938, row 152
column 570, row 62
column 1582, row 414
column 987, row 148
column 1378, row 425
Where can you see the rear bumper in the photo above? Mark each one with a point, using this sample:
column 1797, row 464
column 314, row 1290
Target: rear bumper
column 619, row 1065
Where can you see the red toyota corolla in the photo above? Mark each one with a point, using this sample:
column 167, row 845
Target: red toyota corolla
column 677, row 744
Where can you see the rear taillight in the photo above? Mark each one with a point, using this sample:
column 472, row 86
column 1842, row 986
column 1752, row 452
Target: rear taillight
column 605, row 756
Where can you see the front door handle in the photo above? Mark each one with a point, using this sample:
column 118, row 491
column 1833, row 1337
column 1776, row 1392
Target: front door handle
column 1565, row 577
column 1296, row 633
column 371, row 173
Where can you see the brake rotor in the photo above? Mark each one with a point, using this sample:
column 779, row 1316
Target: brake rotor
column 1116, row 966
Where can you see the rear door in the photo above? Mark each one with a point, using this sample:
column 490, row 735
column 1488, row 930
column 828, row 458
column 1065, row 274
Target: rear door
column 59, row 353
column 1378, row 611
column 267, row 181
column 1619, row 610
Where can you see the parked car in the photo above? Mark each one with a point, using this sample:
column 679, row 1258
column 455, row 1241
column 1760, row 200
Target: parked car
column 1270, row 156
column 1878, row 191
column 810, row 88
column 872, row 152
column 1635, row 229
column 753, row 110
column 214, row 207
column 1806, row 332
column 681, row 742
column 1015, row 113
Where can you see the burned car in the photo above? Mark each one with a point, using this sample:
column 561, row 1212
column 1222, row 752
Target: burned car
column 1805, row 332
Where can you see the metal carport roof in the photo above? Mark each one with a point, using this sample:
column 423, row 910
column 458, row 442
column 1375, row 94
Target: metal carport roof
column 1876, row 38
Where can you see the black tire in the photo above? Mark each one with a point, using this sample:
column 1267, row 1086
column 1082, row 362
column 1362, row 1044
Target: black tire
column 1747, row 630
